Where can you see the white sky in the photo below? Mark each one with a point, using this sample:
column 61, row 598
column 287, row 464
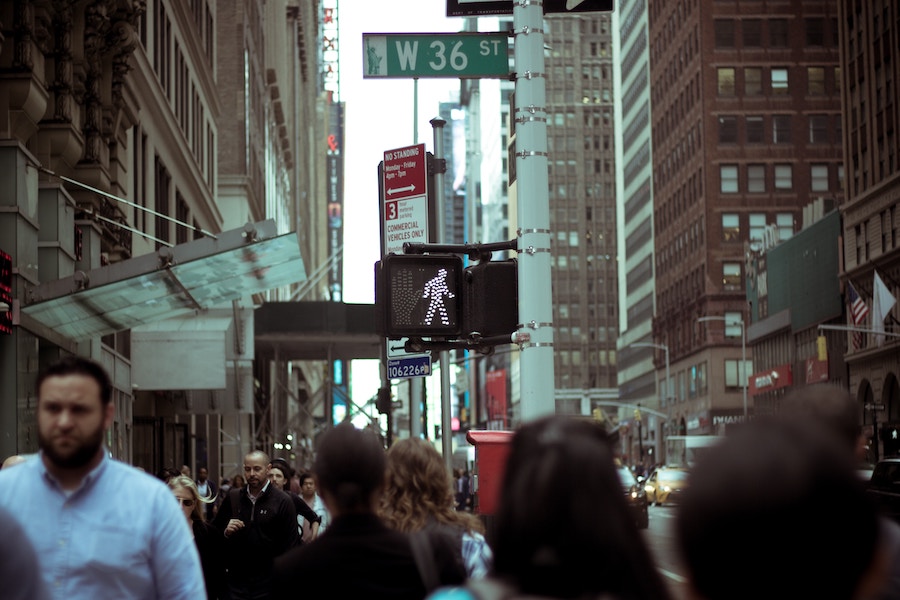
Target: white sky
column 379, row 116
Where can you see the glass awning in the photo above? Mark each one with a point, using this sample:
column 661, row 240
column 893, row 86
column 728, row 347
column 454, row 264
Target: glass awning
column 172, row 282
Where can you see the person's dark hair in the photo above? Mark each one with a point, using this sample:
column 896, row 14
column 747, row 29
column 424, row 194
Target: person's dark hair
column 563, row 527
column 350, row 464
column 167, row 473
column 304, row 476
column 779, row 500
column 72, row 365
column 828, row 404
column 282, row 464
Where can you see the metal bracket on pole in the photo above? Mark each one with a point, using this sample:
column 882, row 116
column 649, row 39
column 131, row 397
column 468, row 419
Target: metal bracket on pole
column 530, row 118
column 437, row 165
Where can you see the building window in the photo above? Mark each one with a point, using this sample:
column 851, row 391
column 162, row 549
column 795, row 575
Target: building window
column 728, row 175
column 724, row 33
column 784, row 177
column 757, row 229
column 725, row 81
column 778, row 33
column 755, row 131
column 752, row 32
column 756, row 178
column 815, row 31
column 841, row 177
column 731, row 227
column 728, row 130
column 733, row 325
column 815, row 81
column 702, row 385
column 781, row 129
column 733, row 379
column 818, row 129
column 780, row 81
column 182, row 214
column 731, row 275
column 818, row 178
column 784, row 222
column 753, row 81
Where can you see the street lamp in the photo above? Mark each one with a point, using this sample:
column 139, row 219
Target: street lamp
column 743, row 351
column 666, row 350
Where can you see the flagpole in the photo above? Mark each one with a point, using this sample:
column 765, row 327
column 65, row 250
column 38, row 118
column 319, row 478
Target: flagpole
column 860, row 329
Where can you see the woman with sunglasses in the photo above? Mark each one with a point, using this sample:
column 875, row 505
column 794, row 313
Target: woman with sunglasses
column 207, row 537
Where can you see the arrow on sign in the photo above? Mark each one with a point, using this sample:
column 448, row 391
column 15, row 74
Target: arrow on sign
column 408, row 188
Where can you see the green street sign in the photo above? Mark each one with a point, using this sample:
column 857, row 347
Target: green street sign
column 462, row 55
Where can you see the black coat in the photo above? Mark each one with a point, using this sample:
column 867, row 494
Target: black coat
column 210, row 544
column 270, row 529
column 358, row 556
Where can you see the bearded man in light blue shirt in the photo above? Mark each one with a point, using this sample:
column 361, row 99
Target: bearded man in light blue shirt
column 101, row 528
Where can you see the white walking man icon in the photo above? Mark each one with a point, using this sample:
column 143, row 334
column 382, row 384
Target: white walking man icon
column 436, row 289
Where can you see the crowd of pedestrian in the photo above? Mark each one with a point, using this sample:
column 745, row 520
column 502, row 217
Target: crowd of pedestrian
column 777, row 511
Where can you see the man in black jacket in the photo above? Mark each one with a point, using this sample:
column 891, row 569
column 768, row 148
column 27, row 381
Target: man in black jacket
column 358, row 556
column 259, row 523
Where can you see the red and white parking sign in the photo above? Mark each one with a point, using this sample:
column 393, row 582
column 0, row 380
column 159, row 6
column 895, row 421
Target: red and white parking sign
column 405, row 197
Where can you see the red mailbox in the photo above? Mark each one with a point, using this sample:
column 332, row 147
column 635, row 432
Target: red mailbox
column 491, row 450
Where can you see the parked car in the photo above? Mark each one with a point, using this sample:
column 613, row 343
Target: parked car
column 884, row 486
column 635, row 496
column 665, row 485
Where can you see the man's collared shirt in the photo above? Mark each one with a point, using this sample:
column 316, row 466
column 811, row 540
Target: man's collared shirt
column 120, row 534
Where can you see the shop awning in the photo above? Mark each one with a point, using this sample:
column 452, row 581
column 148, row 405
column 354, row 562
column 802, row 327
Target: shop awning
column 172, row 282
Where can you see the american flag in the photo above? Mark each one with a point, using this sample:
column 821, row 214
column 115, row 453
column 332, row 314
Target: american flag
column 858, row 312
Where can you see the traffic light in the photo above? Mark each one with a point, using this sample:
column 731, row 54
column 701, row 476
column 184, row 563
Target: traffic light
column 419, row 295
column 384, row 400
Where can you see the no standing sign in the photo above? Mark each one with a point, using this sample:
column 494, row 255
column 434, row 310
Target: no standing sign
column 405, row 197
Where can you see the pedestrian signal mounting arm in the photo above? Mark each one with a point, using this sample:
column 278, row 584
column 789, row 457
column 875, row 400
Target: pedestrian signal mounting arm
column 480, row 252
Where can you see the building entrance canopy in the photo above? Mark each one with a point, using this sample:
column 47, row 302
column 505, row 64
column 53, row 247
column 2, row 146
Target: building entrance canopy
column 173, row 282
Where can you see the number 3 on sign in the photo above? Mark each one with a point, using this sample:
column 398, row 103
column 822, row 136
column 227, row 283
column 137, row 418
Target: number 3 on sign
column 390, row 210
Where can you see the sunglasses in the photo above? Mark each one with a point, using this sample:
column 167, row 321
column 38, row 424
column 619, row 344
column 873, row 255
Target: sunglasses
column 186, row 502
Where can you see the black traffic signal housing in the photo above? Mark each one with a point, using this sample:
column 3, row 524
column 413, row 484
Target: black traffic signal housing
column 383, row 400
column 419, row 295
column 432, row 296
column 491, row 298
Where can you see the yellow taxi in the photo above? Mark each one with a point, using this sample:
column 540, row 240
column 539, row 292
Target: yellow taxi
column 665, row 485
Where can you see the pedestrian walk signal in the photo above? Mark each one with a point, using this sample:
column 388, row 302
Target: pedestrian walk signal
column 419, row 295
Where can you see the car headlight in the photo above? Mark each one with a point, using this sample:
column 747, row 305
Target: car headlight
column 667, row 488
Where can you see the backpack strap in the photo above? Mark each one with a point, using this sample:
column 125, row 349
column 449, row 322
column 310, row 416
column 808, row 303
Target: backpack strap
column 234, row 494
column 423, row 554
